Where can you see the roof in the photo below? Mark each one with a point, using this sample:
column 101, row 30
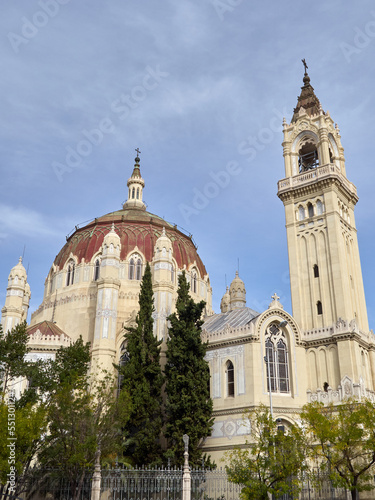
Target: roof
column 46, row 328
column 235, row 318
column 136, row 228
column 307, row 100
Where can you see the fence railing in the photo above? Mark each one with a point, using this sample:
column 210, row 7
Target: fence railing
column 146, row 483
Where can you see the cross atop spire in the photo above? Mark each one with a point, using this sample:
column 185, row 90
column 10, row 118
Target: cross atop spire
column 138, row 153
column 307, row 99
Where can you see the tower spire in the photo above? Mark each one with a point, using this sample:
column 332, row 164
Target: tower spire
column 307, row 99
column 135, row 184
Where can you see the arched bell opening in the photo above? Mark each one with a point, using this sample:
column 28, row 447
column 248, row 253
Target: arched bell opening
column 308, row 157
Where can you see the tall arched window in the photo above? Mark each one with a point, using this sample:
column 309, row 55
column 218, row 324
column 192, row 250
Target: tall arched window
column 277, row 360
column 230, row 378
column 96, row 270
column 319, row 307
column 70, row 273
column 135, row 267
column 316, row 271
column 137, row 193
column 124, row 358
column 193, row 281
column 319, row 207
column 139, row 270
column 131, row 269
column 310, row 210
column 172, row 273
column 133, row 193
column 301, row 213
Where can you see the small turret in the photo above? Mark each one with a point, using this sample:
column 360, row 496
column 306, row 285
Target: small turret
column 225, row 302
column 135, row 185
column 237, row 293
column 17, row 298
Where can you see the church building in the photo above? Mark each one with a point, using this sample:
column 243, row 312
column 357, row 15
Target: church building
column 323, row 352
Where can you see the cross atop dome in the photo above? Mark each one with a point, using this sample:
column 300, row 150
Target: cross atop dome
column 135, row 184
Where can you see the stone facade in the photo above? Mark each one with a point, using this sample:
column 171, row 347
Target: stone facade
column 323, row 352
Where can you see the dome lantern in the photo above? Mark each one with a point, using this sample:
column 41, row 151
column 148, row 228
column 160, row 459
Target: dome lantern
column 135, row 184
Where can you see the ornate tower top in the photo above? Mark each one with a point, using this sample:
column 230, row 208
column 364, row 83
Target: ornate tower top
column 17, row 297
column 225, row 302
column 307, row 99
column 237, row 293
column 163, row 247
column 135, row 184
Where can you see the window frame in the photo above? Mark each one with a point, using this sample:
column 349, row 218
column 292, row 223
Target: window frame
column 277, row 360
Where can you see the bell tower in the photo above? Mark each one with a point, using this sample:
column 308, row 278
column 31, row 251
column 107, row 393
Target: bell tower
column 319, row 201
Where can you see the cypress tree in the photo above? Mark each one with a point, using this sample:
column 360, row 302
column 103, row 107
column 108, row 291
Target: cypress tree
column 143, row 380
column 188, row 403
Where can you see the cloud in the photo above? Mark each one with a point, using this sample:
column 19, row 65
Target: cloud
column 26, row 222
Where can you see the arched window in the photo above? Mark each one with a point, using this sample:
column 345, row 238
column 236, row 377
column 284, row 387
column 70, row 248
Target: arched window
column 96, row 270
column 137, row 193
column 308, row 156
column 301, row 213
column 277, row 360
column 319, row 207
column 131, row 269
column 316, row 271
column 193, row 281
column 133, row 193
column 124, row 358
column 230, row 378
column 282, row 365
column 70, row 274
column 139, row 270
column 172, row 273
column 135, row 267
column 310, row 210
column 319, row 307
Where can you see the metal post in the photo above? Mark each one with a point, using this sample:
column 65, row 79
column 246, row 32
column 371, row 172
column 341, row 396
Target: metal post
column 96, row 478
column 266, row 358
column 186, row 478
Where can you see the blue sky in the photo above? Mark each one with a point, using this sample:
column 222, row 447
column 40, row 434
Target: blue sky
column 192, row 84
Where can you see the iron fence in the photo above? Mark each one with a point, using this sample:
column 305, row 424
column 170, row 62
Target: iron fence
column 319, row 487
column 145, row 483
column 207, row 484
column 48, row 484
column 141, row 484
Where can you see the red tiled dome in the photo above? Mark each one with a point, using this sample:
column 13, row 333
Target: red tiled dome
column 136, row 227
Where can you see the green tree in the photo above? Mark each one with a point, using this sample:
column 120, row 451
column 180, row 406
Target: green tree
column 188, row 402
column 13, row 349
column 20, row 442
column 84, row 416
column 272, row 461
column 143, row 380
column 342, row 438
column 47, row 376
column 33, row 412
